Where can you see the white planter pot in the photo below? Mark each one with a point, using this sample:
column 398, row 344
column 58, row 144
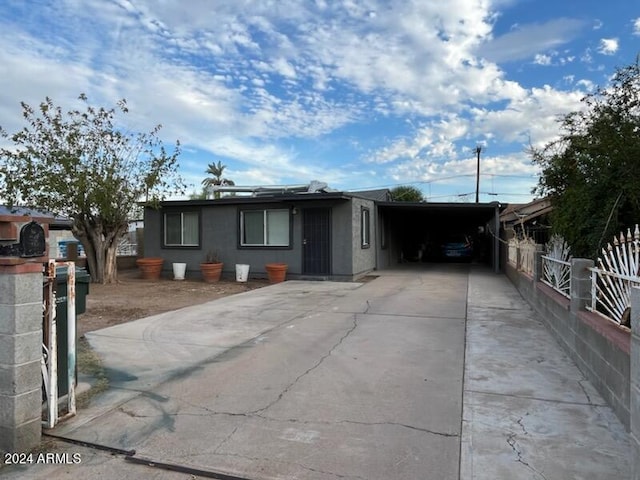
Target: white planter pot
column 179, row 270
column 242, row 272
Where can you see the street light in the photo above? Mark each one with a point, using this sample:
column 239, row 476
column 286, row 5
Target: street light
column 478, row 150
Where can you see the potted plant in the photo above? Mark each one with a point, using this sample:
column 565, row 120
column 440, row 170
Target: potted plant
column 151, row 267
column 277, row 272
column 211, row 267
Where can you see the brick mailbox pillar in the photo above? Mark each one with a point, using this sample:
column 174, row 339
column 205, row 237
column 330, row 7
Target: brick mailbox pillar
column 20, row 353
column 23, row 250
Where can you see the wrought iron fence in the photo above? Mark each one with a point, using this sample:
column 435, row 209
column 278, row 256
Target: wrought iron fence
column 557, row 274
column 616, row 272
column 556, row 266
column 528, row 250
column 127, row 248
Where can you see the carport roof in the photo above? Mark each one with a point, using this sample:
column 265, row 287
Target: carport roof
column 460, row 215
column 438, row 207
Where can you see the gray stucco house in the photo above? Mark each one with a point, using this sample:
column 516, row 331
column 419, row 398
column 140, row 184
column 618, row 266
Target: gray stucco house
column 320, row 234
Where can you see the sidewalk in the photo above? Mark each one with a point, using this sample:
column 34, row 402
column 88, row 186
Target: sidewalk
column 528, row 411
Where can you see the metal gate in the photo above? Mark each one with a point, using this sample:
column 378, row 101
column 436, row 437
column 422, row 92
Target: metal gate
column 50, row 345
column 316, row 242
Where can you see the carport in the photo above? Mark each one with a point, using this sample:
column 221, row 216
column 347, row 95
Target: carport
column 414, row 232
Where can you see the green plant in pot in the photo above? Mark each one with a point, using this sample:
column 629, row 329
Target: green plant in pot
column 211, row 267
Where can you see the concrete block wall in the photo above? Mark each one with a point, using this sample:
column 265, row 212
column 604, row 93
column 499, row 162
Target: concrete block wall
column 20, row 353
column 600, row 349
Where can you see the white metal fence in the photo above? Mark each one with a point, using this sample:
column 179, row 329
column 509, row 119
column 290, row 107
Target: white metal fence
column 528, row 250
column 126, row 248
column 557, row 274
column 615, row 273
column 556, row 266
column 512, row 255
column 521, row 254
column 617, row 270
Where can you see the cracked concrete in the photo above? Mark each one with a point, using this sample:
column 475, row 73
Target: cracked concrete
column 325, row 381
column 310, row 369
column 528, row 411
column 300, row 380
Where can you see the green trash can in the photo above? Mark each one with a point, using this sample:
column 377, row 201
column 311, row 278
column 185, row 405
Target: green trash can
column 62, row 322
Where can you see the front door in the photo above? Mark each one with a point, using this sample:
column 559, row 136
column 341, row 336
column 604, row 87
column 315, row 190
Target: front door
column 316, row 241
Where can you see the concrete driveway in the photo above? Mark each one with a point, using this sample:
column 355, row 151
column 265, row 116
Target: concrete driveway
column 324, row 381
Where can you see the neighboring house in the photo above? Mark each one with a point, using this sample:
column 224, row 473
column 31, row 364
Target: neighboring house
column 320, row 233
column 529, row 220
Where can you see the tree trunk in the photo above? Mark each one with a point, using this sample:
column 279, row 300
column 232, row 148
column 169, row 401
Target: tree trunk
column 101, row 247
column 110, row 272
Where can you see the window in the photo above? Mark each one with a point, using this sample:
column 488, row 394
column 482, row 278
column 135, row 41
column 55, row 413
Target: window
column 259, row 228
column 383, row 232
column 182, row 229
column 365, row 228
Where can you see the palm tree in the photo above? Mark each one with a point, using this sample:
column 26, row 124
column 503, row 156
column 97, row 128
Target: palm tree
column 215, row 178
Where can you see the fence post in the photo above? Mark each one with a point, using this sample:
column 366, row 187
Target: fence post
column 580, row 284
column 537, row 262
column 634, row 374
column 20, row 354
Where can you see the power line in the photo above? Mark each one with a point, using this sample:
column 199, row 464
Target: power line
column 442, row 179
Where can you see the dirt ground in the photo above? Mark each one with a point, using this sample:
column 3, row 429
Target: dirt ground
column 133, row 298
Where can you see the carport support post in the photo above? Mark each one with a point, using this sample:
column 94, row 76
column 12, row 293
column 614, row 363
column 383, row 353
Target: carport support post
column 20, row 354
column 635, row 383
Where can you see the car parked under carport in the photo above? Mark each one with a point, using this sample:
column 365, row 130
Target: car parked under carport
column 418, row 232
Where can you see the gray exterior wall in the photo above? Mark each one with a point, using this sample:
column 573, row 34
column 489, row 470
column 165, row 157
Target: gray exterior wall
column 364, row 259
column 220, row 231
column 341, row 237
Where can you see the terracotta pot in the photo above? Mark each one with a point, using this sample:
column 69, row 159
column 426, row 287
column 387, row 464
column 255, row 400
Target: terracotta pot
column 211, row 272
column 276, row 272
column 151, row 267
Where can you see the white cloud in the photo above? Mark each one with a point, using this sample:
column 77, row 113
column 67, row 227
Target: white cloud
column 243, row 83
column 526, row 41
column 636, row 26
column 608, row 46
column 541, row 59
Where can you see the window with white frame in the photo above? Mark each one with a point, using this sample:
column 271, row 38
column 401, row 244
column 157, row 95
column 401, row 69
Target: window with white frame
column 265, row 228
column 181, row 229
column 365, row 226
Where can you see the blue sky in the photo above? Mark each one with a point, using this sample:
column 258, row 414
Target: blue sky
column 357, row 93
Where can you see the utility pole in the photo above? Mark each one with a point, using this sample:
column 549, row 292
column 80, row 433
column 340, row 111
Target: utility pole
column 478, row 150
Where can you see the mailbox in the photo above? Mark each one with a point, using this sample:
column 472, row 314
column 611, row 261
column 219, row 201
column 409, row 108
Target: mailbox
column 33, row 242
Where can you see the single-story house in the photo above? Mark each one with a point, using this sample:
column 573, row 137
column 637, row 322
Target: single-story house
column 319, row 233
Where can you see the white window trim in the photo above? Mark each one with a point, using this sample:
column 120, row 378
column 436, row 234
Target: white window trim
column 365, row 227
